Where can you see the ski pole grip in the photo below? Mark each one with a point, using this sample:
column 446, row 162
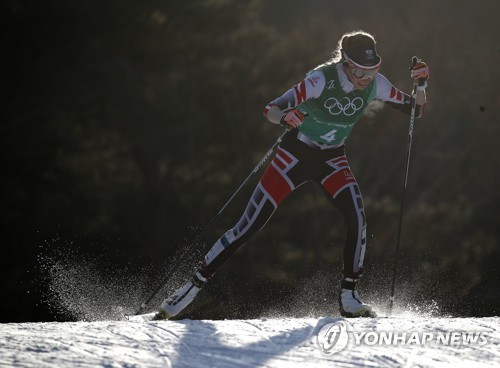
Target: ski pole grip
column 414, row 61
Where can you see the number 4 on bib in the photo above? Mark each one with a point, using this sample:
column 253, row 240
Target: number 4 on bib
column 330, row 136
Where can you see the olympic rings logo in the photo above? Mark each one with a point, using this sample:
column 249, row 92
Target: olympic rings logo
column 344, row 106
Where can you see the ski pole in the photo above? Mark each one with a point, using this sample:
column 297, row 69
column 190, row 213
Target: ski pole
column 209, row 225
column 405, row 182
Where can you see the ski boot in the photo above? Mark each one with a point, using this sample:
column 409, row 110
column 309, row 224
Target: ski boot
column 181, row 298
column 350, row 303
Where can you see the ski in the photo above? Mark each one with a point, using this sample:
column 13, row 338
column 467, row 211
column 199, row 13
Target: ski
column 147, row 317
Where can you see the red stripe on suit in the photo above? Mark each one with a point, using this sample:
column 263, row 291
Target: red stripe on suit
column 338, row 180
column 275, row 184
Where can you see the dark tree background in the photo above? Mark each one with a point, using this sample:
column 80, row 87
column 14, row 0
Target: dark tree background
column 126, row 125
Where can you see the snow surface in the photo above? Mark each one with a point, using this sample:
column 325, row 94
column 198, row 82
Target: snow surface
column 79, row 289
column 273, row 342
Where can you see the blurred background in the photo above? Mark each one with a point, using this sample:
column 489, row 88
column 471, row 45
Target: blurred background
column 126, row 125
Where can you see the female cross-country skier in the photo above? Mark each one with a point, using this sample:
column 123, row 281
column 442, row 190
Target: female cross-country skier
column 320, row 113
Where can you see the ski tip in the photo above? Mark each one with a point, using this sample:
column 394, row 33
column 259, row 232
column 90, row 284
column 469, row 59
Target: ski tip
column 142, row 317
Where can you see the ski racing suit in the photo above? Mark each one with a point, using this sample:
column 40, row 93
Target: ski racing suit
column 314, row 151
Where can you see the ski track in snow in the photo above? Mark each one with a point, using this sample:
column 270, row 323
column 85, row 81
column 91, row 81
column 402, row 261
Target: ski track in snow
column 281, row 342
